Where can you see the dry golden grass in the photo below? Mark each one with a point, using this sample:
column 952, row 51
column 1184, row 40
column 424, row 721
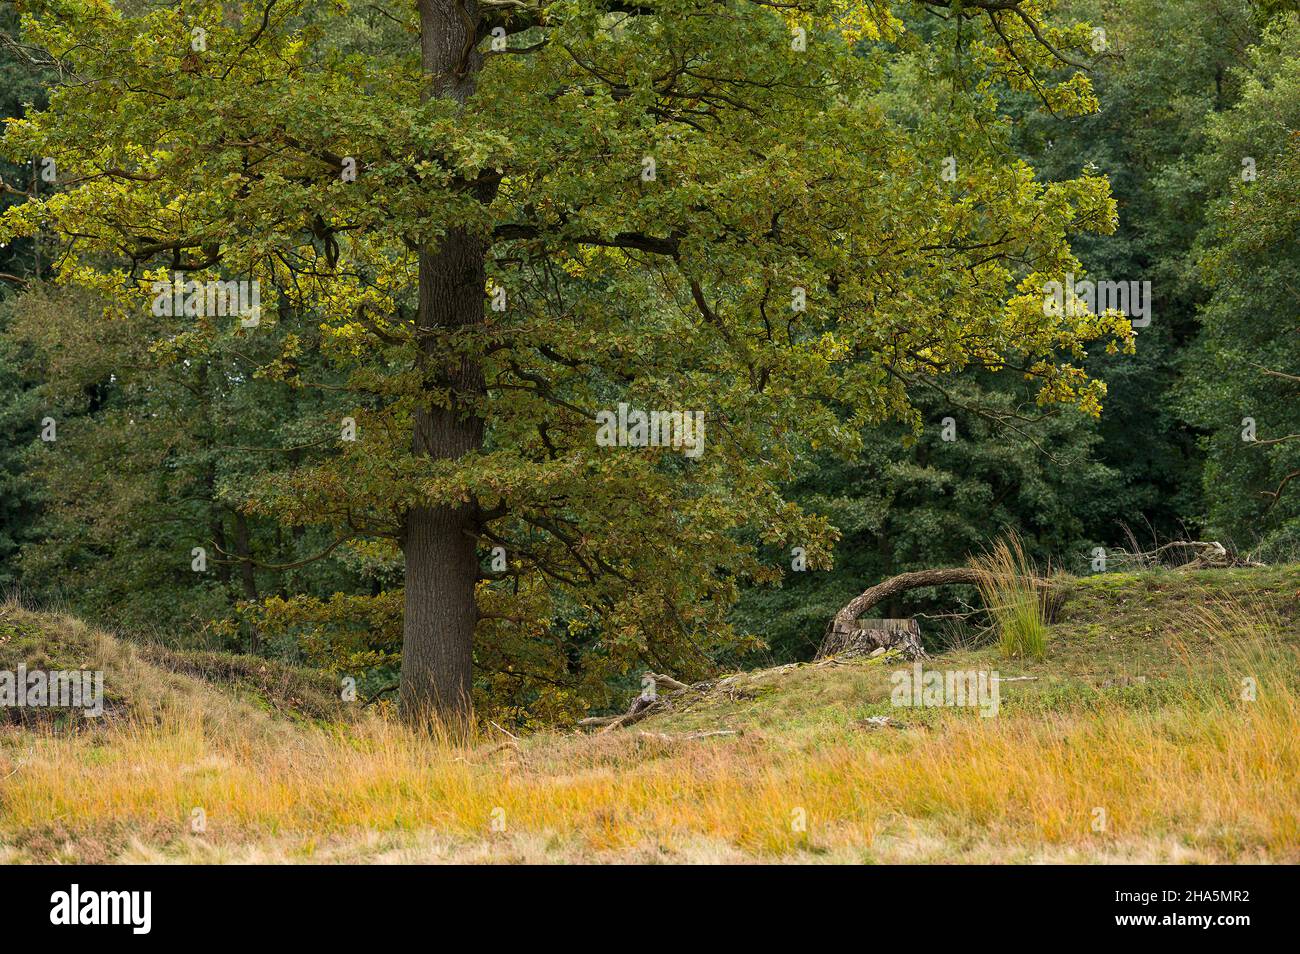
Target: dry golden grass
column 1193, row 772
column 1218, row 781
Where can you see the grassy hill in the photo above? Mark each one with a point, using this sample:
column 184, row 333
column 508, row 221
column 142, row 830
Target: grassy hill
column 1160, row 726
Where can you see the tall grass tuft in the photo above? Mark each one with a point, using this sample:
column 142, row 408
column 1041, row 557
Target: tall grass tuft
column 1010, row 588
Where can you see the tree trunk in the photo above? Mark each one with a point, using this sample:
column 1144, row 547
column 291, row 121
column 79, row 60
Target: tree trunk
column 439, row 542
column 247, row 572
column 244, row 550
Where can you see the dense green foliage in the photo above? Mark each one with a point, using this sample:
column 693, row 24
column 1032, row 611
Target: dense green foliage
column 916, row 403
column 20, row 83
column 1185, row 94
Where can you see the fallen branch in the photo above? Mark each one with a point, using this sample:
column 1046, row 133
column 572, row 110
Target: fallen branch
column 506, row 731
column 662, row 680
column 643, row 705
column 690, row 737
column 635, row 714
column 882, row 722
column 378, row 695
column 1189, row 554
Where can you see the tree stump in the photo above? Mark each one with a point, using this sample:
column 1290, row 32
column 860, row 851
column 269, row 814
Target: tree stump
column 864, row 637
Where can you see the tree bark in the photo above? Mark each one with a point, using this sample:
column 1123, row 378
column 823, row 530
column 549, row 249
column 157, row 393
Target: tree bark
column 872, row 635
column 247, row 573
column 244, row 550
column 439, row 541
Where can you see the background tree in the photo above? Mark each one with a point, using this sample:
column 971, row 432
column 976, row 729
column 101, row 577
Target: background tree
column 1162, row 69
column 162, row 423
column 22, row 75
column 1242, row 374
